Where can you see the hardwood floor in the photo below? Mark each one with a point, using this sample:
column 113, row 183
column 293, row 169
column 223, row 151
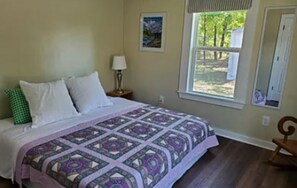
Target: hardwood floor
column 234, row 164
column 7, row 184
column 230, row 165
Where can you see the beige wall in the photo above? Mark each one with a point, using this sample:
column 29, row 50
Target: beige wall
column 43, row 40
column 152, row 74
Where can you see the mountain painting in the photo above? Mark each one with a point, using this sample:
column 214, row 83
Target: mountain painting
column 152, row 32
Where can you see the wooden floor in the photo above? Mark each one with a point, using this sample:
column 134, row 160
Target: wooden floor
column 230, row 165
column 236, row 165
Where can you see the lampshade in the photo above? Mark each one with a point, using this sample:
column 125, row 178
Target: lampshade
column 119, row 63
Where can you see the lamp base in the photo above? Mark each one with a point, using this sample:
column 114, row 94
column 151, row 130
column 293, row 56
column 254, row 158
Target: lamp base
column 119, row 91
column 119, row 76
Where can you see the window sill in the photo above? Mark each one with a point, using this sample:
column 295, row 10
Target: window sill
column 221, row 101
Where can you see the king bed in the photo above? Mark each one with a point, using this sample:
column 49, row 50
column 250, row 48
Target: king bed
column 128, row 144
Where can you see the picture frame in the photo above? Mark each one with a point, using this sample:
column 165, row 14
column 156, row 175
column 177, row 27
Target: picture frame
column 152, row 32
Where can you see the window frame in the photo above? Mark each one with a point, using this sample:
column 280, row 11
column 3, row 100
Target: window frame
column 195, row 48
column 245, row 58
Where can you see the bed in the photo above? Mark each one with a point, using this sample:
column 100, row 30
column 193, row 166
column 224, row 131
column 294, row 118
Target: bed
column 129, row 144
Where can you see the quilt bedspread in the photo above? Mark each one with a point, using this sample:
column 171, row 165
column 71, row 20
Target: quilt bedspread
column 137, row 148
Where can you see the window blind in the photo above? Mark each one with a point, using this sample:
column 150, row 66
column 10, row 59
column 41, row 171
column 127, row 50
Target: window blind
column 218, row 5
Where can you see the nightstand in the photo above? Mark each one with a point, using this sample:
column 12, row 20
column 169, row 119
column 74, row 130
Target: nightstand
column 127, row 94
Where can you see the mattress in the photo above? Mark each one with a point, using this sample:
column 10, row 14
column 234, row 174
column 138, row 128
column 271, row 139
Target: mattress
column 128, row 144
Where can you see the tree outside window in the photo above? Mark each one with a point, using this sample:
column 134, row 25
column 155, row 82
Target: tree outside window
column 217, row 42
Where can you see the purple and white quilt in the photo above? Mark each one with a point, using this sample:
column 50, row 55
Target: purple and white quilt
column 145, row 147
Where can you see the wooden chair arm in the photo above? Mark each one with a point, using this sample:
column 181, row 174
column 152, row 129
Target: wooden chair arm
column 290, row 130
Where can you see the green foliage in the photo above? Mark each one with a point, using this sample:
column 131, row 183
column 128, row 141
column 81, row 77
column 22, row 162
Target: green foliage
column 215, row 27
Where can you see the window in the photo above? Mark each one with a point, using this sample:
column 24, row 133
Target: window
column 216, row 56
column 217, row 42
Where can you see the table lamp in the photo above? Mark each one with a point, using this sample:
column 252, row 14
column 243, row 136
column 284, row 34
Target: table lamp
column 119, row 64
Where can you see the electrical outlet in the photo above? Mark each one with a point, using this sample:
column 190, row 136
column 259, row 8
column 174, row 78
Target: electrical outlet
column 265, row 120
column 161, row 99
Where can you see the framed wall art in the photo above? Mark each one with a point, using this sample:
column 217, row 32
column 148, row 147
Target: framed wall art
column 152, row 32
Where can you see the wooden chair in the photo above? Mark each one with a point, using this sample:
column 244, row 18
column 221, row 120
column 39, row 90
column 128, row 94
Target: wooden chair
column 289, row 145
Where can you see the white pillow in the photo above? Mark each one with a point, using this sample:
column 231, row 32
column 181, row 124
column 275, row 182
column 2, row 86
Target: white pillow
column 87, row 93
column 48, row 102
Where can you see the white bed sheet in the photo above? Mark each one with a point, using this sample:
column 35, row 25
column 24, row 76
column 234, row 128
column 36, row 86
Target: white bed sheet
column 12, row 138
column 5, row 124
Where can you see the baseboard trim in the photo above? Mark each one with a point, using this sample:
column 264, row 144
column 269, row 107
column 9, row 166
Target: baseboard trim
column 245, row 139
column 248, row 140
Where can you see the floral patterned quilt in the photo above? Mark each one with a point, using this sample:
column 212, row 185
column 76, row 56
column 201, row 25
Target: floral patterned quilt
column 145, row 147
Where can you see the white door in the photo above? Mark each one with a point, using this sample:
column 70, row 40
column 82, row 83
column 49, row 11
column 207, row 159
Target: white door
column 281, row 57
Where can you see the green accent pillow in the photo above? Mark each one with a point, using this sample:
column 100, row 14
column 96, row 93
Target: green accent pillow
column 19, row 106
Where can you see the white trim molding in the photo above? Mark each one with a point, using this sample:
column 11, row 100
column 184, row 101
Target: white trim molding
column 216, row 100
column 246, row 139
